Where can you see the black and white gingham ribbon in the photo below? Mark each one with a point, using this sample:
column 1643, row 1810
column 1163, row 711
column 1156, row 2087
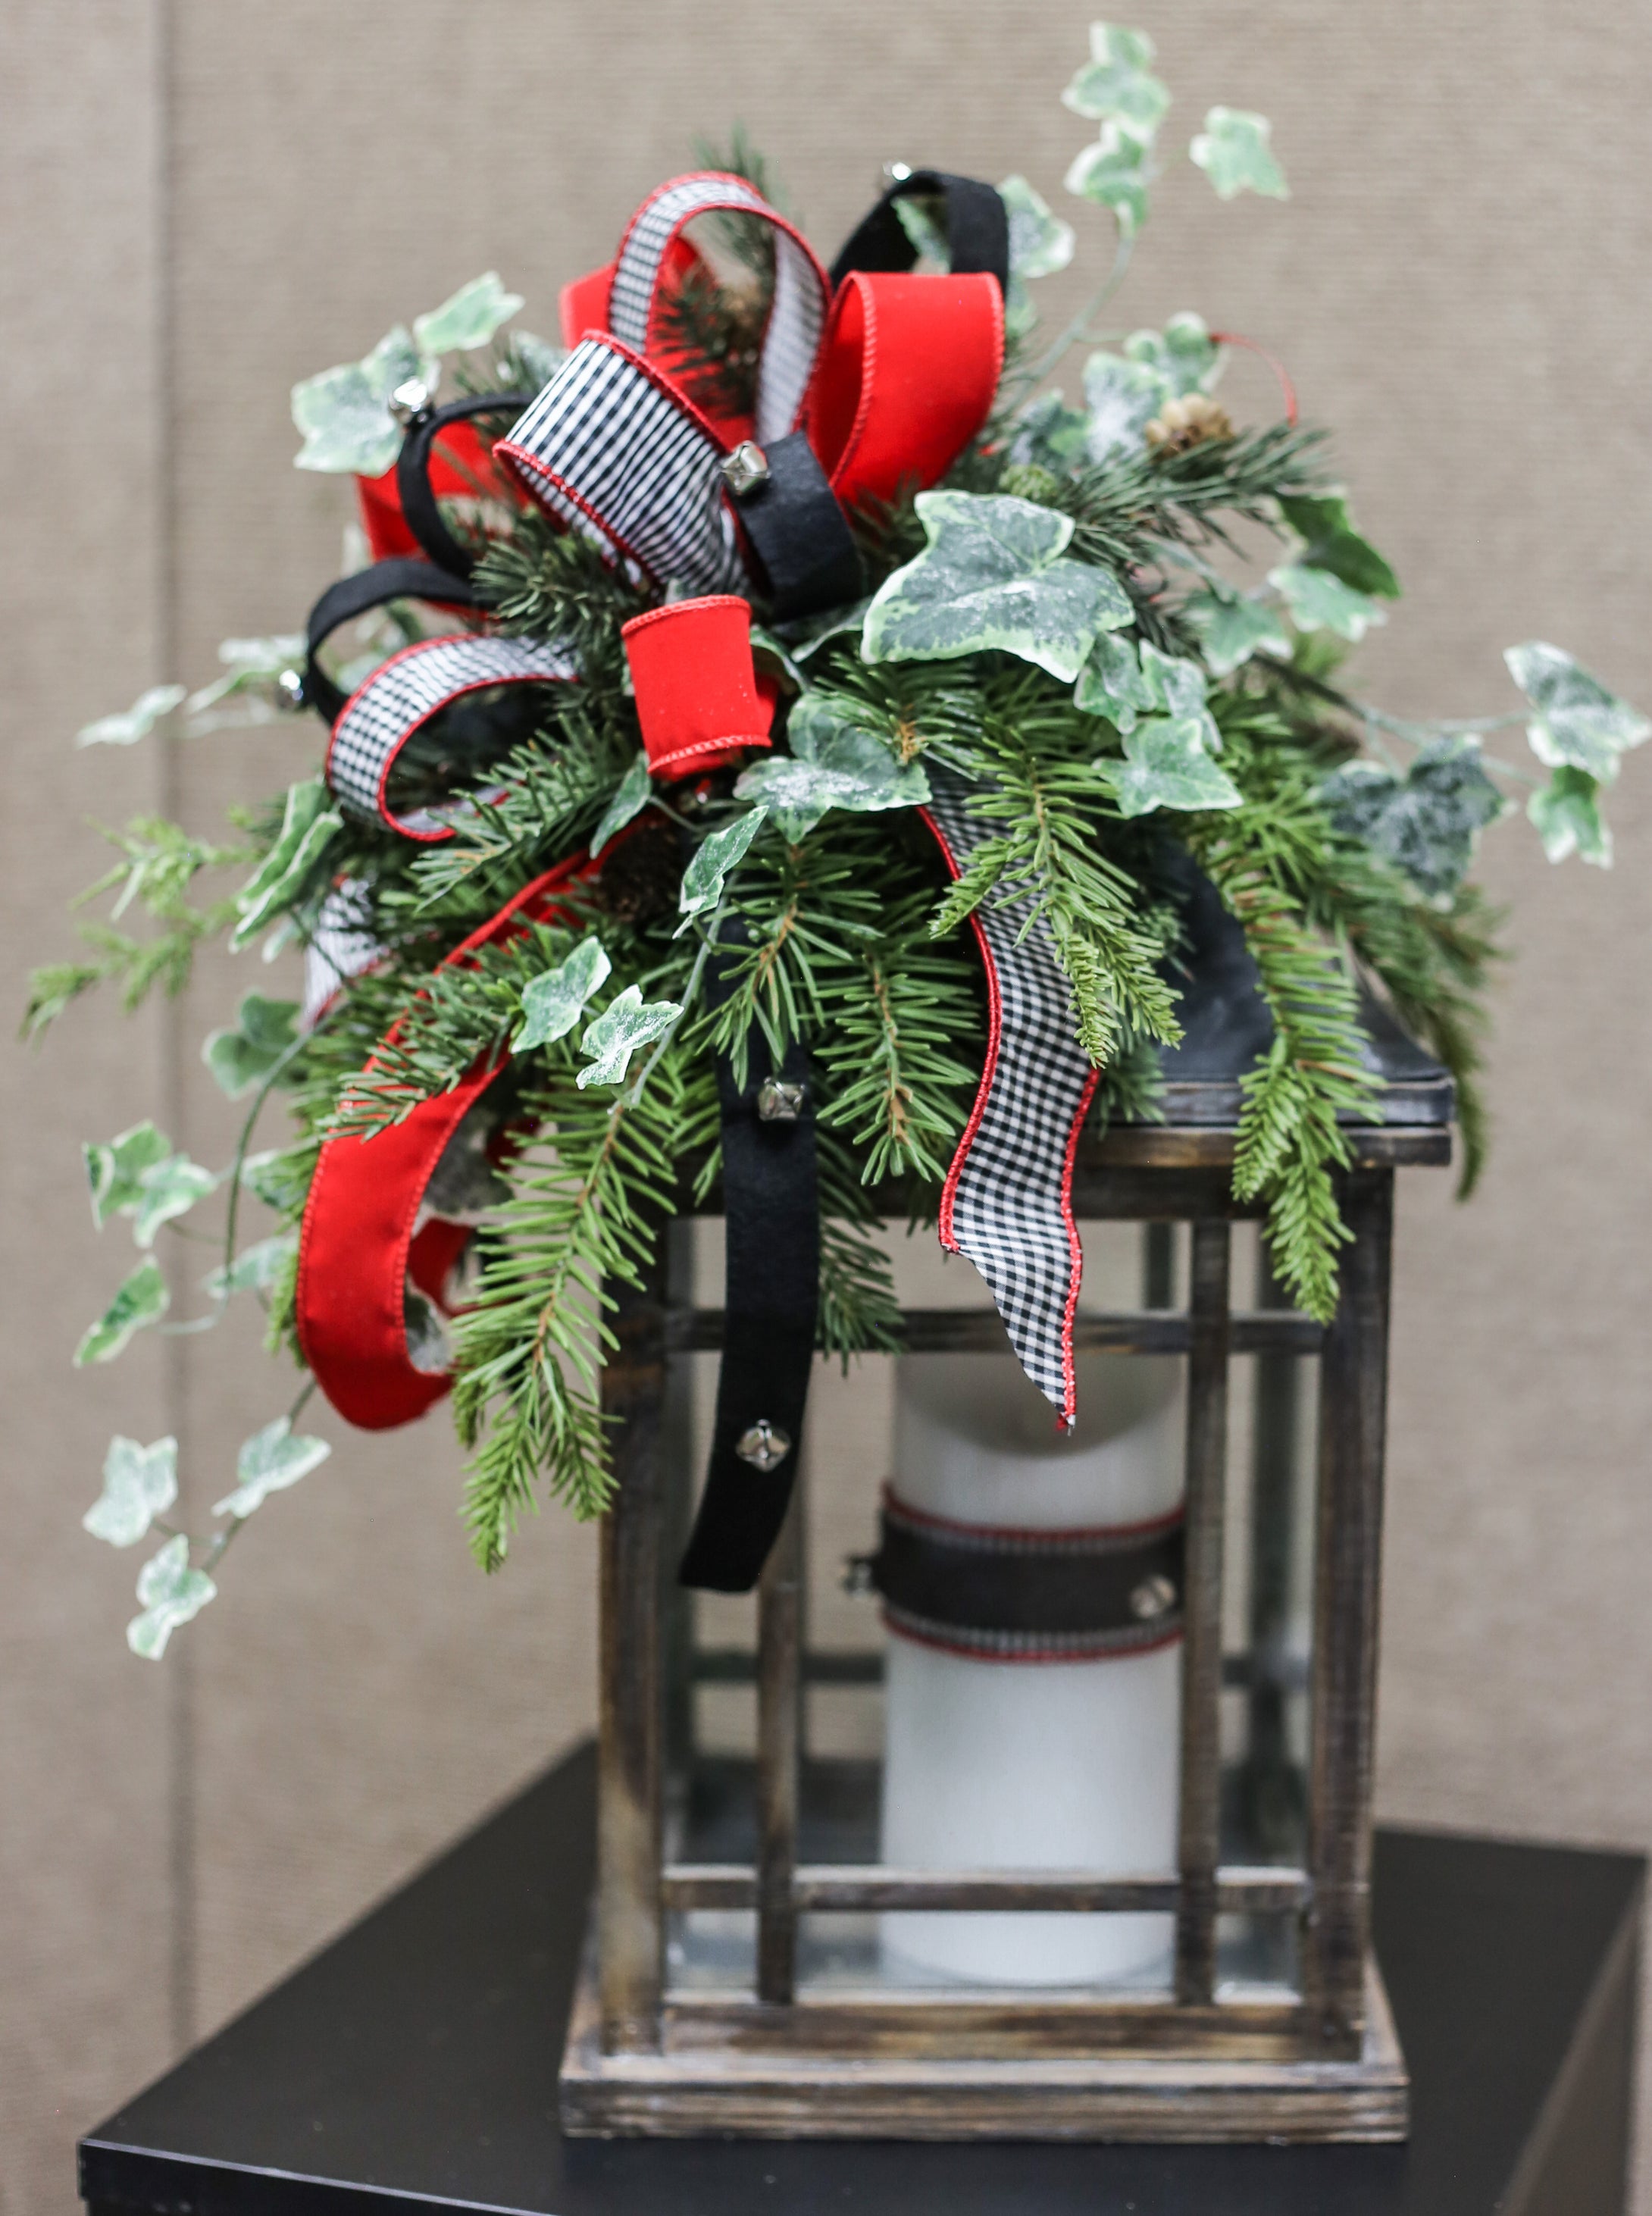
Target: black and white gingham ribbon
column 612, row 449
column 404, row 693
column 1008, row 1199
column 341, row 947
column 803, row 291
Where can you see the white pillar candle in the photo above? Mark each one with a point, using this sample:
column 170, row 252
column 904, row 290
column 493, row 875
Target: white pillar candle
column 1024, row 1765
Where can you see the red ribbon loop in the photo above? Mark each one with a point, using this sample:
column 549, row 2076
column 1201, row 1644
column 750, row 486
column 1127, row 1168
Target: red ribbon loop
column 697, row 696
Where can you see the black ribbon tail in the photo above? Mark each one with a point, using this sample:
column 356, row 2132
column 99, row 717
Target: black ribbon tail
column 401, row 578
column 798, row 533
column 978, row 229
column 419, row 503
column 772, row 1236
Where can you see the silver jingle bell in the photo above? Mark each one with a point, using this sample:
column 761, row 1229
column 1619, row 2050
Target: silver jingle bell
column 411, row 400
column 746, row 469
column 779, row 1101
column 1153, row 1597
column 766, row 1446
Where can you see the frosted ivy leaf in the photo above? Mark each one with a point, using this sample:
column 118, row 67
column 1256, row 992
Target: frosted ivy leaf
column 630, row 798
column 244, row 1056
column 1040, row 243
column 269, row 1462
column 468, row 317
column 553, row 1004
column 918, row 216
column 836, row 761
column 1230, row 630
column 1113, row 172
column 1234, row 151
column 171, row 1189
column 465, row 1186
column 1183, row 355
column 307, row 824
column 1115, row 84
column 252, row 667
column 1177, row 686
column 993, row 574
column 808, row 634
column 345, row 413
column 627, row 1023
column 142, row 1300
column 1566, row 813
column 1111, row 683
column 133, row 723
column 1051, row 434
column 116, row 1172
column 1426, row 822
column 713, row 857
column 429, row 1348
column 1122, row 397
column 139, row 1484
column 279, row 1177
column 1578, row 722
column 170, row 1594
column 1318, row 601
column 539, row 360
column 256, row 1269
column 1165, row 766
column 1329, row 541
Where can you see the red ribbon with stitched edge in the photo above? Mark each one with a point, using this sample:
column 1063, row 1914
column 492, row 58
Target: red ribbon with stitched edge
column 699, row 700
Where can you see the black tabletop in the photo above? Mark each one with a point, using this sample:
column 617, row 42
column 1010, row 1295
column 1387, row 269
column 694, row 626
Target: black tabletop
column 417, row 2056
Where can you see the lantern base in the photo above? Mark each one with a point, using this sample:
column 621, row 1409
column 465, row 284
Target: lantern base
column 738, row 2070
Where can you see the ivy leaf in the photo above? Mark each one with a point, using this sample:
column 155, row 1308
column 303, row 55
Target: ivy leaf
column 1050, row 436
column 279, row 1177
column 1040, row 244
column 255, row 1269
column 1165, row 766
column 1329, row 542
column 1234, row 151
column 169, row 1189
column 170, row 1592
column 713, row 859
column 252, row 667
column 1113, row 172
column 468, row 317
column 1320, row 602
column 116, row 1172
column 1426, row 822
column 1122, row 397
column 630, row 798
column 1579, row 723
column 1183, row 356
column 269, row 1462
column 242, row 1057
column 345, row 413
column 553, row 1004
column 836, row 761
column 307, row 824
column 917, row 214
column 624, row 1024
column 1230, row 630
column 993, row 574
column 133, row 723
column 1567, row 814
column 1178, row 687
column 1114, row 85
column 143, row 1299
column 1112, row 684
column 139, row 1484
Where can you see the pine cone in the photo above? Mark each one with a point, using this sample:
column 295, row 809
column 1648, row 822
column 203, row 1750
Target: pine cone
column 1182, row 424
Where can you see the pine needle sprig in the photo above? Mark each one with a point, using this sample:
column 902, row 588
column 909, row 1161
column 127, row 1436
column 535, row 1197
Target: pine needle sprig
column 1125, row 508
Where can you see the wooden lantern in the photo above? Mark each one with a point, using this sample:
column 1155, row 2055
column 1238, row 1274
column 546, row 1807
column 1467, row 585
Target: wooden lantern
column 1200, row 2059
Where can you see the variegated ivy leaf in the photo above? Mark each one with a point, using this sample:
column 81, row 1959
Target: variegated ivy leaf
column 993, row 574
column 1178, row 687
column 838, row 759
column 279, row 1177
column 1114, row 85
column 1165, row 766
column 1040, row 244
column 1329, row 541
column 1113, row 172
column 1050, row 436
column 169, row 1593
column 1578, row 722
column 1234, row 151
column 252, row 667
column 1318, row 601
column 807, row 634
column 630, row 798
column 1111, row 682
column 1231, row 630
column 307, row 824
column 269, row 1462
column 345, row 413
column 466, row 1185
column 1426, row 822
column 133, row 723
column 256, row 1269
column 713, row 857
column 116, row 1172
column 468, row 317
column 169, row 1189
column 142, row 1300
column 139, row 1484
column 919, row 215
column 1183, row 355
column 1566, row 813
column 1124, row 392
column 553, row 1004
column 627, row 1023
column 244, row 1056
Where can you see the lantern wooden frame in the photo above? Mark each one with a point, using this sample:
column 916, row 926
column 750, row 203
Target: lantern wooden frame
column 1195, row 2064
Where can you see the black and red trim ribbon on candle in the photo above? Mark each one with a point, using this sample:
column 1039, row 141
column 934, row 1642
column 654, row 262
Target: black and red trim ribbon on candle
column 869, row 380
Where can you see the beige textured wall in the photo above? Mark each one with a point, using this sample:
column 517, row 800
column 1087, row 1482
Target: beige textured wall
column 202, row 203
